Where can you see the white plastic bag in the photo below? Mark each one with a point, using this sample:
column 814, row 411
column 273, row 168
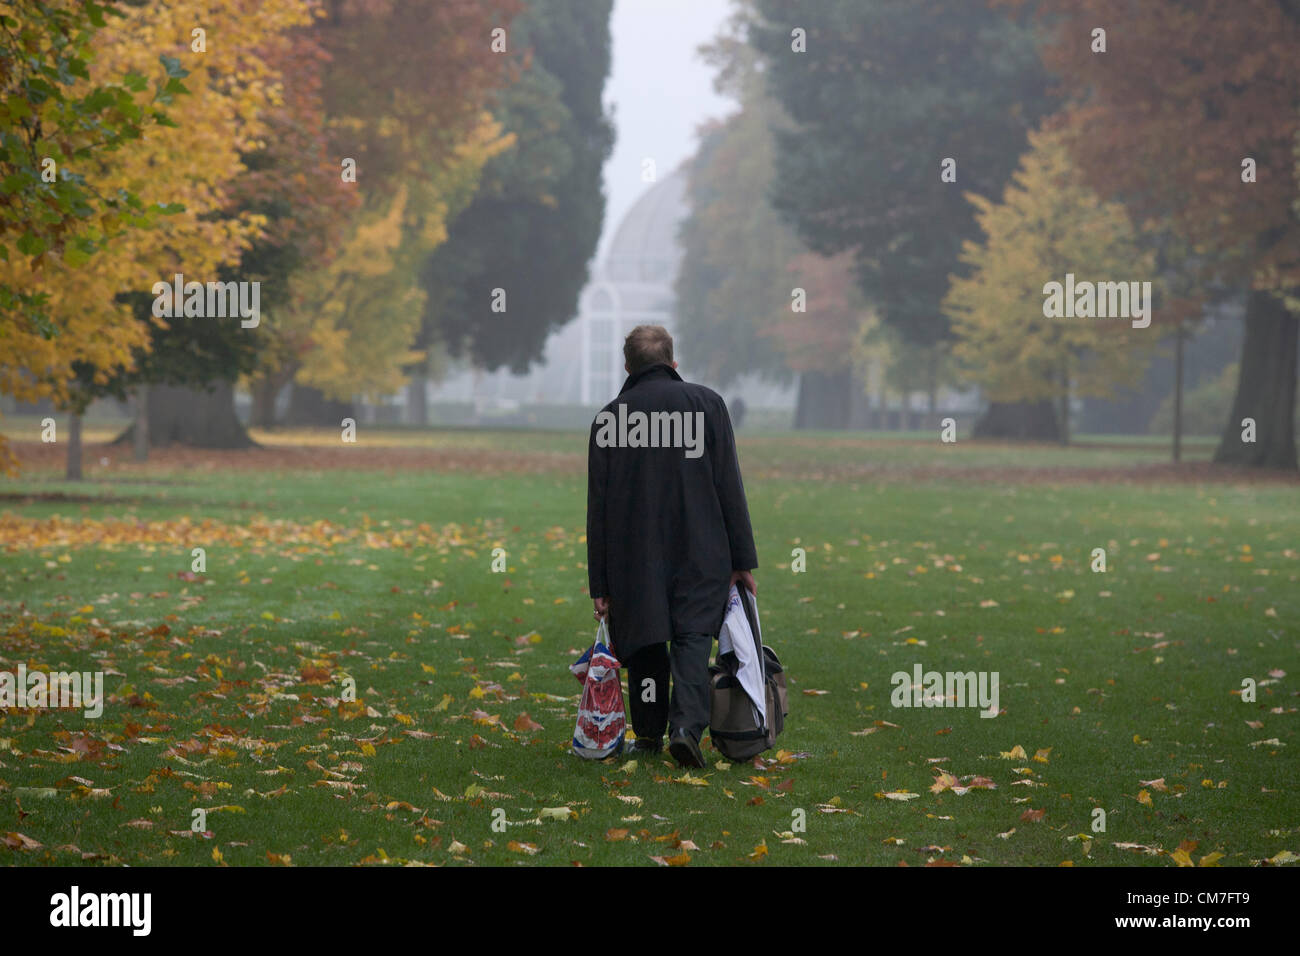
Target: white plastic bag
column 737, row 637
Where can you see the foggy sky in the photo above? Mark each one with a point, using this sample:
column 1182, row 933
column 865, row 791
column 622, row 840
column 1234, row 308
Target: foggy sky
column 660, row 90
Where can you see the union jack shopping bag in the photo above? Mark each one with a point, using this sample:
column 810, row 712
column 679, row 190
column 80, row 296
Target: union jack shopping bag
column 601, row 721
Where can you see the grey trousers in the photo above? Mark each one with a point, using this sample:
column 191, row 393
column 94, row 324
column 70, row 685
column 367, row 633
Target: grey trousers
column 686, row 658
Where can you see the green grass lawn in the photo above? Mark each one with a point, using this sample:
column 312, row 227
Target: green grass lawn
column 226, row 688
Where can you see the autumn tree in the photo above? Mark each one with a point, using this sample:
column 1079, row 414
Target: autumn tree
column 533, row 225
column 183, row 164
column 1047, row 225
column 815, row 330
column 58, row 126
column 898, row 108
column 53, row 117
column 415, row 130
column 1190, row 115
column 735, row 246
column 750, row 295
column 290, row 178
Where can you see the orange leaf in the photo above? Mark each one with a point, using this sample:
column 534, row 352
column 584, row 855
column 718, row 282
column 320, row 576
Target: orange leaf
column 525, row 723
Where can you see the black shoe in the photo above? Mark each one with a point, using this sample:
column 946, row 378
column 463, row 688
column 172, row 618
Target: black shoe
column 646, row 745
column 685, row 749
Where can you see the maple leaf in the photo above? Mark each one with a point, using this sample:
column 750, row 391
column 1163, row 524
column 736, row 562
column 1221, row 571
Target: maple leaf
column 524, row 723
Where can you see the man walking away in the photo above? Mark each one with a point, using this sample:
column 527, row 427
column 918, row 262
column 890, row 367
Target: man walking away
column 668, row 533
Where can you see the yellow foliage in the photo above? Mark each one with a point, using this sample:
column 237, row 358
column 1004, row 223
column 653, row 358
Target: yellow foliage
column 1048, row 224
column 229, row 85
column 352, row 322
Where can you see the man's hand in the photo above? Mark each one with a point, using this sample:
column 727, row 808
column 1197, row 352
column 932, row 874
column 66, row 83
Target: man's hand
column 745, row 578
column 601, row 605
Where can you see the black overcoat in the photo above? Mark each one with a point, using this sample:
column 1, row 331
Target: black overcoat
column 664, row 529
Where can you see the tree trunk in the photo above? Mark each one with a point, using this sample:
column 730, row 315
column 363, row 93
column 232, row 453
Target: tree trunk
column 1178, row 391
column 417, row 398
column 824, row 400
column 263, row 413
column 140, row 434
column 1266, row 388
column 1064, row 413
column 1034, row 421
column 932, row 389
column 193, row 416
column 74, row 448
column 309, row 406
column 859, row 403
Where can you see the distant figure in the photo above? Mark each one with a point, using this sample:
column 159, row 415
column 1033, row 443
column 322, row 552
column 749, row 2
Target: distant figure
column 737, row 412
column 668, row 533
